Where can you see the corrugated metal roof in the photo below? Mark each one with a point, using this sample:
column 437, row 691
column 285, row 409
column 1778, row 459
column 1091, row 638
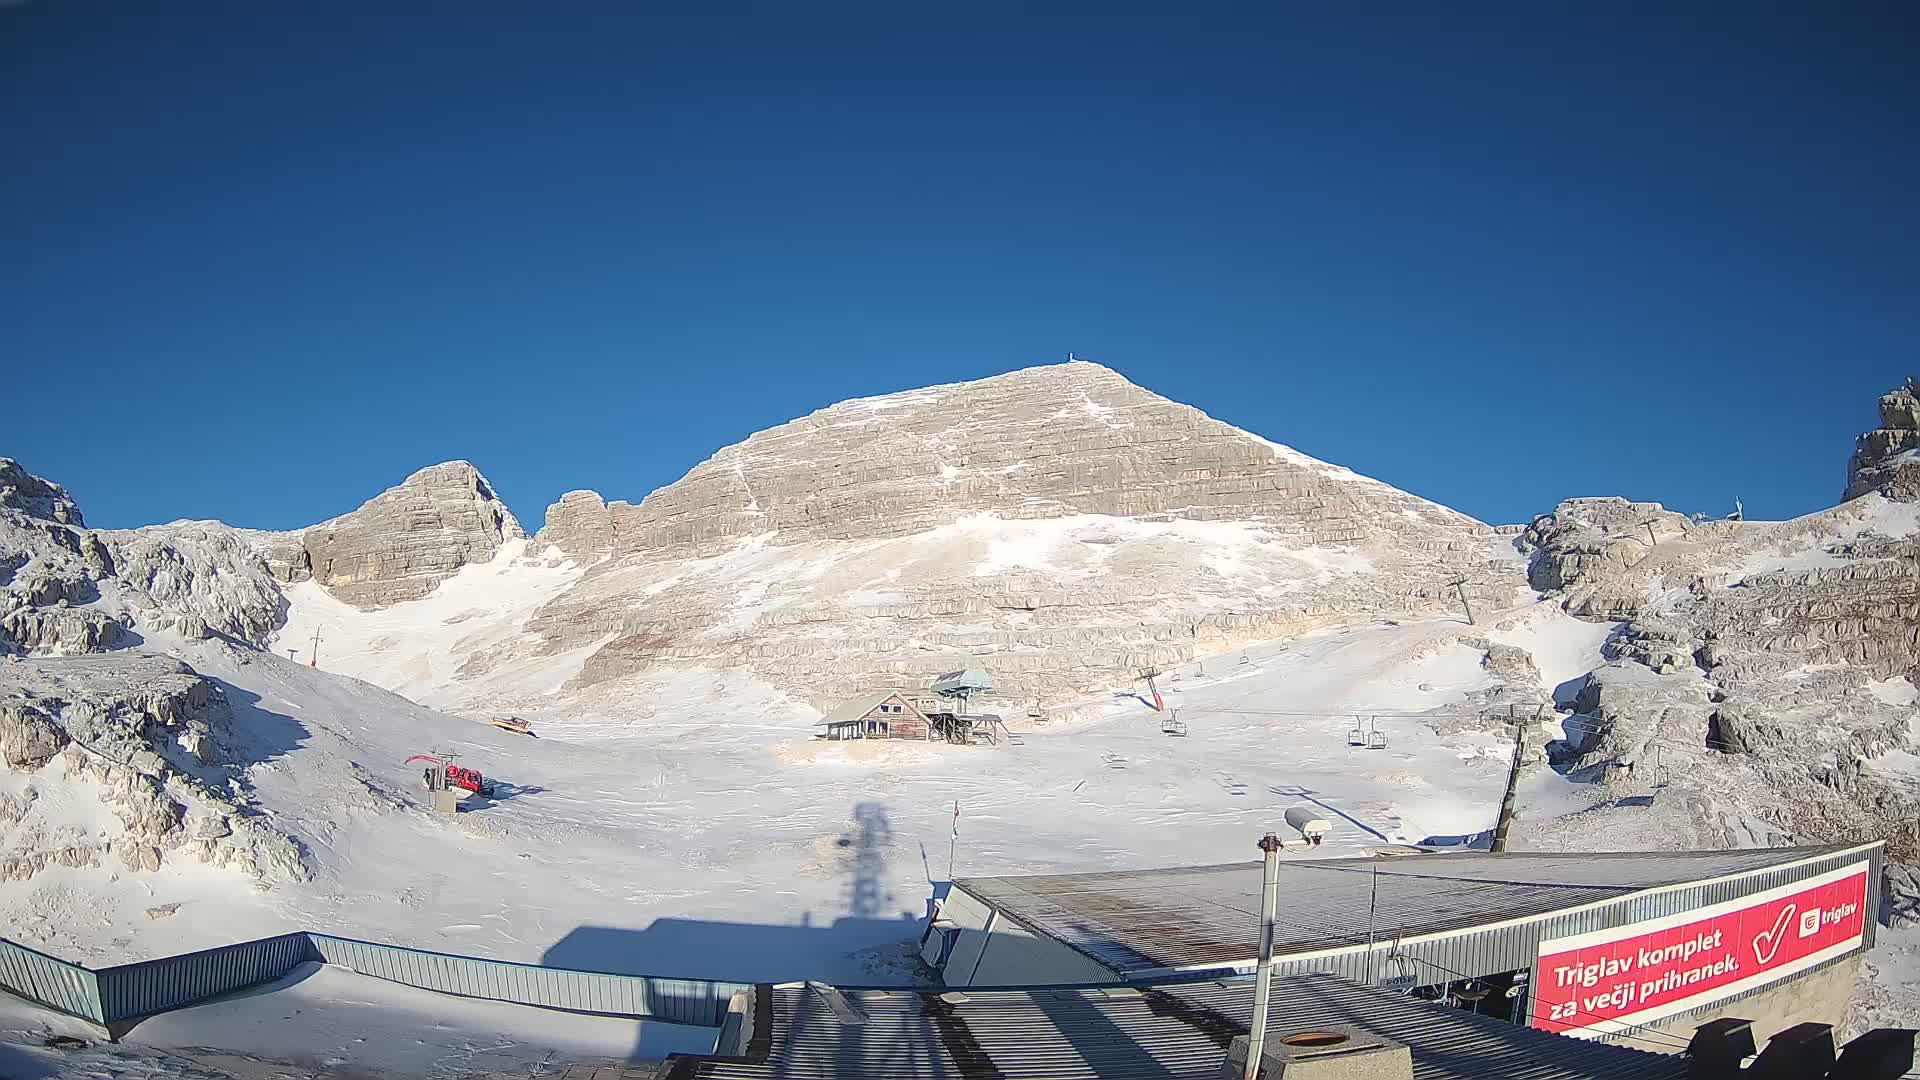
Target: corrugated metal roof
column 1142, row 920
column 1169, row 1030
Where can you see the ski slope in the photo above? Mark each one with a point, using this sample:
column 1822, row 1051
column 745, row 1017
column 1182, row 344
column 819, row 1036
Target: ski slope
column 721, row 839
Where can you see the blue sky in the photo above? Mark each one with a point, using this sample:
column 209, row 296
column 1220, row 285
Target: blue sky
column 261, row 266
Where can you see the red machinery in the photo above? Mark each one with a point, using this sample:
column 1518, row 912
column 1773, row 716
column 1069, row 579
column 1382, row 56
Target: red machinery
column 445, row 774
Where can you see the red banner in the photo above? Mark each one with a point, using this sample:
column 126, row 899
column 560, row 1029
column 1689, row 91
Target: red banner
column 1634, row 974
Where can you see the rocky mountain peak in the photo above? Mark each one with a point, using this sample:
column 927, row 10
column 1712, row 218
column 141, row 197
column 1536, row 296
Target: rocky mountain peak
column 1041, row 442
column 1057, row 524
column 402, row 543
column 21, row 490
column 1887, row 459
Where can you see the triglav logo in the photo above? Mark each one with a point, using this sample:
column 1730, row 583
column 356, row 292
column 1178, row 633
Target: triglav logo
column 1810, row 922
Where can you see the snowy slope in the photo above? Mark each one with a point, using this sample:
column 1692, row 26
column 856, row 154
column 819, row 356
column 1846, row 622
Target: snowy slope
column 753, row 851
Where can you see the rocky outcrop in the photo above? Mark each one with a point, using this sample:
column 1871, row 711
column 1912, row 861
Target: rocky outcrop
column 155, row 742
column 1060, row 526
column 202, row 574
column 28, row 737
column 58, row 631
column 579, row 524
column 1590, row 540
column 28, row 494
column 402, row 543
column 1887, row 459
column 1758, row 655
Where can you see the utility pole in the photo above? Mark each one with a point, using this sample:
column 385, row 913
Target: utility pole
column 1263, row 972
column 314, row 663
column 1459, row 586
column 1652, row 540
column 1505, row 821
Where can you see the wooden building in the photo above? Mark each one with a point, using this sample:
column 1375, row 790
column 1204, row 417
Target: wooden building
column 886, row 714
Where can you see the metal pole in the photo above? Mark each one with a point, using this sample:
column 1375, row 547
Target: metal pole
column 1263, row 973
column 953, row 838
column 1505, row 820
column 1373, row 905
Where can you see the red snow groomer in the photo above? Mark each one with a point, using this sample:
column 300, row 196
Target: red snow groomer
column 442, row 774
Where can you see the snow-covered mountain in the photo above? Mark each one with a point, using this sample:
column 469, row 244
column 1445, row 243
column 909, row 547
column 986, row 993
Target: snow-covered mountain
column 1059, row 526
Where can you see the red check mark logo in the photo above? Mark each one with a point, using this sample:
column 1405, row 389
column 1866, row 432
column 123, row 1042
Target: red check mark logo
column 1767, row 942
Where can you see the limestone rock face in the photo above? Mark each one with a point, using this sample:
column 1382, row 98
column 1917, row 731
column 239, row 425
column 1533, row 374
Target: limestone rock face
column 1045, row 442
column 286, row 557
column 1058, row 526
column 579, row 524
column 1585, row 539
column 205, row 573
column 30, row 495
column 67, row 590
column 59, row 631
column 405, row 541
column 1887, row 459
column 155, row 740
column 1777, row 659
column 28, row 737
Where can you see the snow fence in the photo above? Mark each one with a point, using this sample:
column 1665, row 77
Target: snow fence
column 129, row 991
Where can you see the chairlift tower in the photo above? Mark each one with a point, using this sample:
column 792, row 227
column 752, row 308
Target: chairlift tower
column 1459, row 586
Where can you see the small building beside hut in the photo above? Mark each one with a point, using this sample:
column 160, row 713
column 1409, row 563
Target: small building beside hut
column 884, row 714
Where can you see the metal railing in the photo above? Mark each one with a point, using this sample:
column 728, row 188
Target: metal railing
column 128, row 991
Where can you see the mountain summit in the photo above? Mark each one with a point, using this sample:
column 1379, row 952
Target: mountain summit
column 1043, row 442
column 1058, row 525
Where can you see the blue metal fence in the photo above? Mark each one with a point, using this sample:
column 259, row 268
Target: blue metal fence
column 681, row 1001
column 128, row 991
column 170, row 982
column 52, row 982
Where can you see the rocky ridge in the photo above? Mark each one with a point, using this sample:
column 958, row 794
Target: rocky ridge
column 1044, row 442
column 1058, row 525
column 400, row 544
column 157, row 744
column 1764, row 671
column 153, row 739
column 1887, row 459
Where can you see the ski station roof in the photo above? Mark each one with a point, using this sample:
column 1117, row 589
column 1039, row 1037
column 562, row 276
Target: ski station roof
column 968, row 680
column 1167, row 1030
column 1141, row 921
